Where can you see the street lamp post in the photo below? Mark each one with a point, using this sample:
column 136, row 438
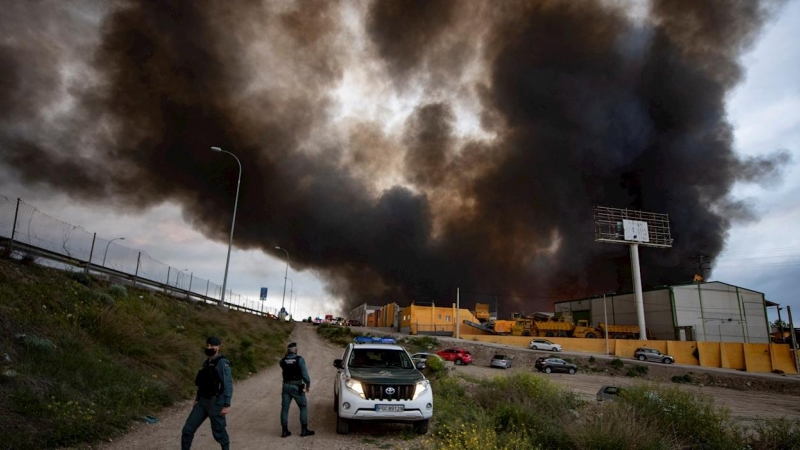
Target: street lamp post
column 285, row 277
column 291, row 292
column 233, row 223
column 106, row 252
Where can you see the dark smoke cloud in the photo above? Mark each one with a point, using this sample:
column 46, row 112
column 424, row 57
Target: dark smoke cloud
column 582, row 104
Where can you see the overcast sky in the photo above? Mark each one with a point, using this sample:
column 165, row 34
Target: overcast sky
column 761, row 253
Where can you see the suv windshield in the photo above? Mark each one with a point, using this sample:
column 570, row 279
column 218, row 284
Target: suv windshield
column 379, row 357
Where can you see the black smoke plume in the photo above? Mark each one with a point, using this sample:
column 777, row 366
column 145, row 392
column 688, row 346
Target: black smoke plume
column 575, row 104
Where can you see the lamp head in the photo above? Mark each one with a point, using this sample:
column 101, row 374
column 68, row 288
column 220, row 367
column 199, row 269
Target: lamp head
column 216, row 149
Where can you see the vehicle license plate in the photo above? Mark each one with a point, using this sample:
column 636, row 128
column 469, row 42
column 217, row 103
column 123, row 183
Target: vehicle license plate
column 389, row 408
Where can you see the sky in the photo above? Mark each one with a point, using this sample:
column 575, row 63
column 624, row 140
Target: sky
column 462, row 148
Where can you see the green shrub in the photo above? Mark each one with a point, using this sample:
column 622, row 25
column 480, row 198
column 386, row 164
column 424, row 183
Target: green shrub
column 417, row 344
column 335, row 334
column 617, row 363
column 775, row 434
column 685, row 378
column 435, row 366
column 28, row 260
column 118, row 291
column 592, row 360
column 81, row 278
column 637, row 370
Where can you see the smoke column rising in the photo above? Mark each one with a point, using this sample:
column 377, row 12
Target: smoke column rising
column 516, row 118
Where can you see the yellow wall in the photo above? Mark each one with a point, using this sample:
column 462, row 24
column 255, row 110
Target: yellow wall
column 710, row 355
column 757, row 357
column 733, row 355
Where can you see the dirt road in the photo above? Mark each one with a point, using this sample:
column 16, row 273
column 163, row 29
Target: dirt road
column 254, row 421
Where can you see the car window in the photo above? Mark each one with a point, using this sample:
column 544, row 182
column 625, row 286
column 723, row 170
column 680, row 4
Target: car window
column 499, row 357
column 379, row 358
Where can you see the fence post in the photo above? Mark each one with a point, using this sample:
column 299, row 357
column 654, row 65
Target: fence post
column 207, row 282
column 13, row 230
column 136, row 274
column 91, row 252
column 165, row 286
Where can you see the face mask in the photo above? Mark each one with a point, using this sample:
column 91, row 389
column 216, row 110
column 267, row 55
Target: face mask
column 211, row 351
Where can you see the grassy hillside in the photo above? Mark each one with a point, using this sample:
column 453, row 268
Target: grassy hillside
column 81, row 358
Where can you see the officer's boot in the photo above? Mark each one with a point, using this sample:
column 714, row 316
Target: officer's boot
column 306, row 431
column 226, row 446
column 285, row 431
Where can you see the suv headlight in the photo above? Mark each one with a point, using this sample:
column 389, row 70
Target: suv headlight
column 355, row 386
column 421, row 387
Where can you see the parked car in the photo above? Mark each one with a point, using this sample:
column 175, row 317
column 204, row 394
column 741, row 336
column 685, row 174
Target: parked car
column 421, row 359
column 651, row 354
column 548, row 365
column 609, row 393
column 544, row 344
column 458, row 355
column 502, row 361
column 352, row 323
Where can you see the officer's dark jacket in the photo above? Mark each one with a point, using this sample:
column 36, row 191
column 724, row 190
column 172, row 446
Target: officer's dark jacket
column 214, row 379
column 294, row 369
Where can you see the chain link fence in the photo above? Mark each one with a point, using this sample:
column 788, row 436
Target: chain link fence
column 25, row 227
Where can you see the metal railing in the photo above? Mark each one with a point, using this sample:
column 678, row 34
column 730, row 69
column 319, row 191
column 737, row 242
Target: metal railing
column 54, row 243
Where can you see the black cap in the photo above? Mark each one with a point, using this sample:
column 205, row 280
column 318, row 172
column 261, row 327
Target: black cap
column 212, row 340
column 293, row 344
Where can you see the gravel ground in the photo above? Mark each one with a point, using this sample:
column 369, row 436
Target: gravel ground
column 254, row 422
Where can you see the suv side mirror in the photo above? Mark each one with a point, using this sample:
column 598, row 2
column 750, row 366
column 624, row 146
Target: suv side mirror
column 337, row 363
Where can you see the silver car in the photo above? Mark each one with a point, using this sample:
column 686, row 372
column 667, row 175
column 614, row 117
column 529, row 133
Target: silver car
column 421, row 359
column 651, row 354
column 502, row 361
column 544, row 344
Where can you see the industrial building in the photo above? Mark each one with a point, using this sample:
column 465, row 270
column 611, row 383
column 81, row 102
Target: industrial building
column 704, row 312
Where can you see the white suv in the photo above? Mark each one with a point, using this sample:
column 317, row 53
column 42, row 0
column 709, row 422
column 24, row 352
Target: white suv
column 380, row 382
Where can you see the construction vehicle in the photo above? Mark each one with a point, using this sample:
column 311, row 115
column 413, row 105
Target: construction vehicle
column 482, row 312
column 542, row 326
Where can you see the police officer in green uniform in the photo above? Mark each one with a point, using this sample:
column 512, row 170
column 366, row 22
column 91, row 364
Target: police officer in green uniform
column 295, row 384
column 213, row 400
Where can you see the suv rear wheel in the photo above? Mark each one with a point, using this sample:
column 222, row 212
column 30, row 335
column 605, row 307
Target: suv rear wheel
column 421, row 426
column 342, row 425
column 547, row 370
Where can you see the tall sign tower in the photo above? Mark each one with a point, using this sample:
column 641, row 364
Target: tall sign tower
column 633, row 228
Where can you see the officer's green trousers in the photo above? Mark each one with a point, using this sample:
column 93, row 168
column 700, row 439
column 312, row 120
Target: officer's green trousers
column 293, row 392
column 206, row 407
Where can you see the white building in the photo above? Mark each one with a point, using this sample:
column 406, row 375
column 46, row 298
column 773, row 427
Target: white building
column 709, row 311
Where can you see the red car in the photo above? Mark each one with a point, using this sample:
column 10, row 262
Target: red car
column 457, row 355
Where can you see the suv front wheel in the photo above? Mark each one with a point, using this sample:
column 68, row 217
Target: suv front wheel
column 342, row 425
column 421, row 426
column 459, row 362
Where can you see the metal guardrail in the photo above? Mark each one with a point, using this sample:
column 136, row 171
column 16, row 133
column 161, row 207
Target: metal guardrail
column 27, row 231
